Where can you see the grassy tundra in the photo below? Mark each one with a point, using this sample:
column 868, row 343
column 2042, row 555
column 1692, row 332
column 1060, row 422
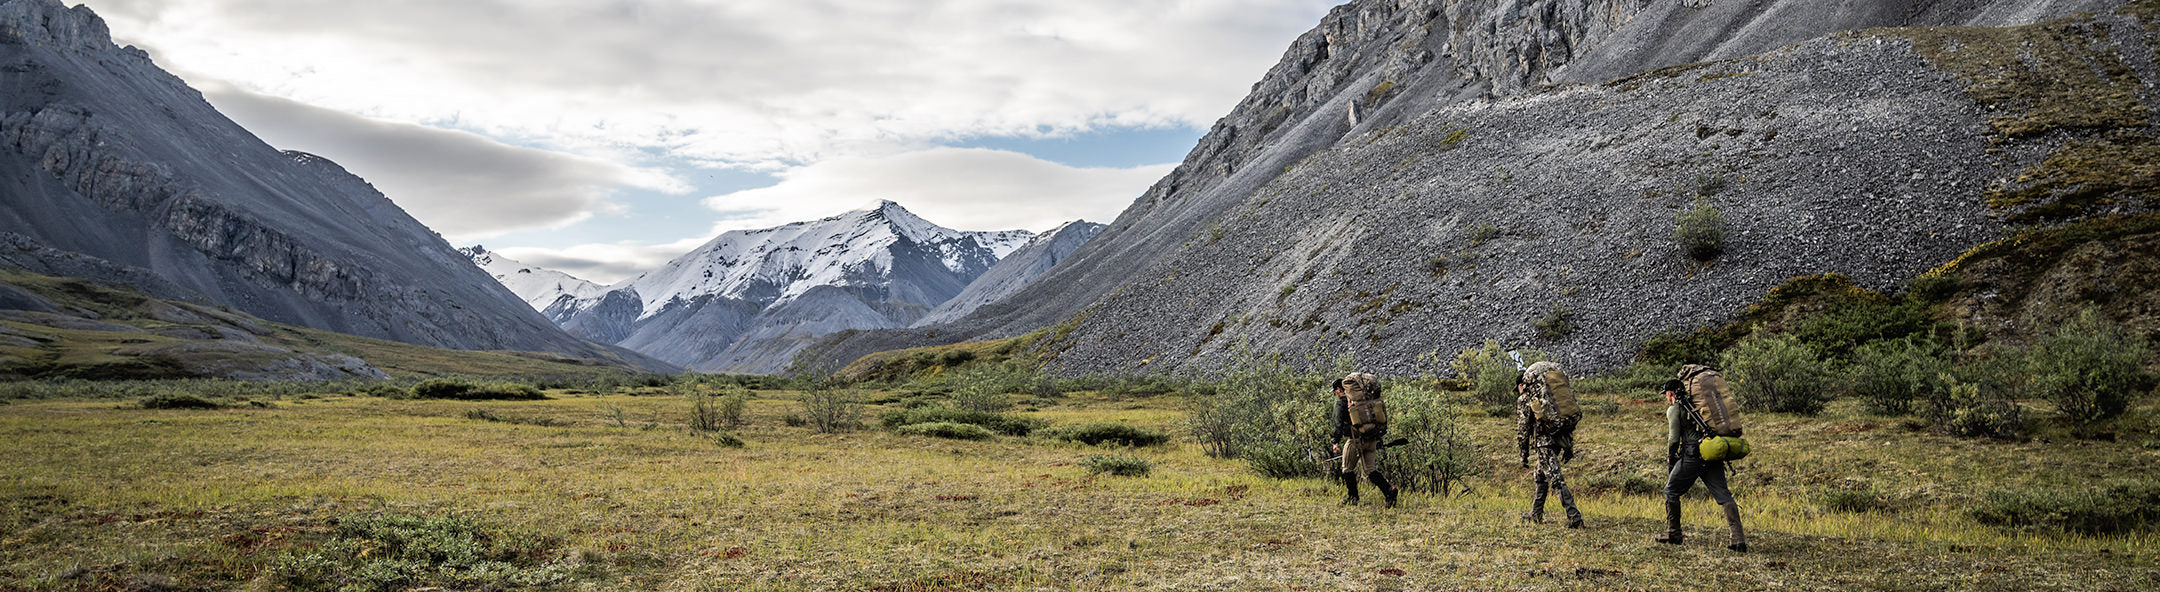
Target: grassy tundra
column 593, row 490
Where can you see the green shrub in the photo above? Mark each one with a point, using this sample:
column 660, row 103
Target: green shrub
column 727, row 440
column 1888, row 376
column 1673, row 348
column 2090, row 369
column 1556, row 324
column 1777, row 373
column 1840, row 328
column 486, row 415
column 830, row 410
column 1095, row 434
column 1010, row 425
column 1118, row 465
column 1969, row 410
column 178, row 401
column 948, row 430
column 1441, row 452
column 1262, row 406
column 1281, row 459
column 1700, row 231
column 2118, row 508
column 394, row 552
column 464, row 390
column 732, row 402
column 1493, row 371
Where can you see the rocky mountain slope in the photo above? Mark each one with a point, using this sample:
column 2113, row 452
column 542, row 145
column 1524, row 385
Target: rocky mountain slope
column 748, row 300
column 1419, row 176
column 1014, row 271
column 104, row 156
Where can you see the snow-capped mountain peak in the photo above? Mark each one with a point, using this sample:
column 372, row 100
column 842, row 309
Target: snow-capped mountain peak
column 537, row 286
column 867, row 248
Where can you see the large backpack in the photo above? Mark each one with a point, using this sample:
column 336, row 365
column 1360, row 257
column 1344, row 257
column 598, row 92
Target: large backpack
column 1368, row 413
column 1556, row 407
column 1710, row 405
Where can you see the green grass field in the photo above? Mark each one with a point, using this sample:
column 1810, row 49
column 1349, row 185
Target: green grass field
column 607, row 492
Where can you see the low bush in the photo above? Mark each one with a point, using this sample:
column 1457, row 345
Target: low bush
column 1095, row 434
column 1888, row 376
column 2118, row 508
column 1009, row 425
column 1969, row 410
column 1777, row 373
column 465, row 390
column 1556, row 324
column 1440, row 453
column 727, row 440
column 2090, row 369
column 830, row 410
column 395, row 552
column 177, row 401
column 947, row 430
column 486, row 415
column 1494, row 371
column 1118, row 465
column 1700, row 231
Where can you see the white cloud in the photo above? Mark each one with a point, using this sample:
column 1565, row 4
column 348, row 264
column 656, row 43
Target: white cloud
column 960, row 188
column 604, row 263
column 461, row 184
column 735, row 81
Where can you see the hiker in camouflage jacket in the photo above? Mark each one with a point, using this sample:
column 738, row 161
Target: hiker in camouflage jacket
column 1553, row 443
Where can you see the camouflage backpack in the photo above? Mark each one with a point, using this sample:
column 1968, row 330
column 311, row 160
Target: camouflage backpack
column 1552, row 400
column 1368, row 414
column 1709, row 403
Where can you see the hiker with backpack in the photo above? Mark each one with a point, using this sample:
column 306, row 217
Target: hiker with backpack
column 1703, row 432
column 1360, row 422
column 1545, row 418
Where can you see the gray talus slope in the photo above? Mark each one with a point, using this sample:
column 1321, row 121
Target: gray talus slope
column 104, row 155
column 1373, row 65
column 1016, row 270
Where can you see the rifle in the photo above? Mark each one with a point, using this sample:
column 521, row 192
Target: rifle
column 1384, row 445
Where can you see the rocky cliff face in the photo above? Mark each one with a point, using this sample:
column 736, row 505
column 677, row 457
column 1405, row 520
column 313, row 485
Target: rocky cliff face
column 104, row 155
column 1409, row 178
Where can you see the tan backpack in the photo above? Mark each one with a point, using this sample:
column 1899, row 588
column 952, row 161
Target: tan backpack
column 1557, row 406
column 1712, row 400
column 1368, row 413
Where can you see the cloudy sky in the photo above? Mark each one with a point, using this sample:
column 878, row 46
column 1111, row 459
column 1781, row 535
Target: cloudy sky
column 603, row 137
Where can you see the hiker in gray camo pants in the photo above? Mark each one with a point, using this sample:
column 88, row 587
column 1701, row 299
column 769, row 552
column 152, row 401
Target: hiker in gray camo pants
column 1687, row 467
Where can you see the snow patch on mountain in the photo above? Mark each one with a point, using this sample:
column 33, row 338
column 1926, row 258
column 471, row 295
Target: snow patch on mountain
column 537, row 286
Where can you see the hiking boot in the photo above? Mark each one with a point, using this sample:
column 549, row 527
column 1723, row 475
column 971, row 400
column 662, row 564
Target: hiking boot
column 1533, row 517
column 1350, row 484
column 1672, row 525
column 1575, row 522
column 1739, row 535
column 1386, row 490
